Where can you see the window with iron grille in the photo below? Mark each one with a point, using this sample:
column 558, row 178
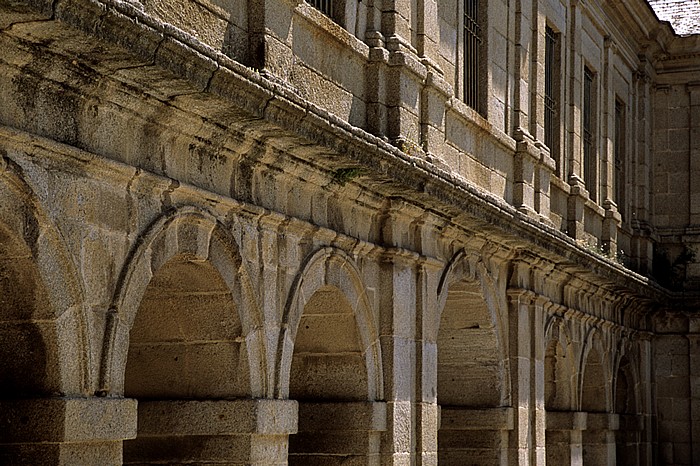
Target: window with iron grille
column 551, row 92
column 620, row 158
column 590, row 163
column 473, row 50
column 324, row 6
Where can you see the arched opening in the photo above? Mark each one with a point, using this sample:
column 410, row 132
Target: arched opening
column 558, row 377
column 185, row 344
column 598, row 438
column 28, row 368
column 329, row 378
column 469, row 381
column 628, row 437
column 593, row 395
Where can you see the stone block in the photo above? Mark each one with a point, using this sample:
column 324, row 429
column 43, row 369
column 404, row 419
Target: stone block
column 342, row 416
column 72, row 420
column 457, row 418
column 215, row 418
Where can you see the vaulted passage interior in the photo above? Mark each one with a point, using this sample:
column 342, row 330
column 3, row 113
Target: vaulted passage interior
column 27, row 333
column 473, row 428
column 185, row 345
column 329, row 379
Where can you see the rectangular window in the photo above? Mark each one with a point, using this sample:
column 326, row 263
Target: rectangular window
column 551, row 93
column 473, row 45
column 590, row 163
column 620, row 158
column 324, row 6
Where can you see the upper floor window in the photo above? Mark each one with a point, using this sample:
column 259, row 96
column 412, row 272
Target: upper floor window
column 590, row 161
column 324, row 6
column 474, row 54
column 620, row 159
column 551, row 96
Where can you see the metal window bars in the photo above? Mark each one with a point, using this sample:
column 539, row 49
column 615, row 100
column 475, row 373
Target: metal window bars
column 550, row 101
column 589, row 159
column 471, row 55
column 619, row 148
column 324, row 6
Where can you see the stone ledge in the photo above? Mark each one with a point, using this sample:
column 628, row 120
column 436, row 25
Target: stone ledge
column 355, row 416
column 67, row 420
column 566, row 420
column 461, row 418
column 217, row 417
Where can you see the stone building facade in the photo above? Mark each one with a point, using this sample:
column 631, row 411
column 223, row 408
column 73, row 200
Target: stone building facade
column 358, row 232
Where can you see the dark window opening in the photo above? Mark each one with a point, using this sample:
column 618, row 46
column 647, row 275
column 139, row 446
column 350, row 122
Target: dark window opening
column 551, row 92
column 589, row 157
column 619, row 149
column 324, row 6
column 473, row 49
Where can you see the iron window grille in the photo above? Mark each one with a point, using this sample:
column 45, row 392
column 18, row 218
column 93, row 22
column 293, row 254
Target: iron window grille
column 619, row 148
column 472, row 54
column 324, row 6
column 550, row 96
column 589, row 159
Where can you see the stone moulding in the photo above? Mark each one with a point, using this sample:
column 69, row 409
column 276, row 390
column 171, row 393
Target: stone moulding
column 266, row 102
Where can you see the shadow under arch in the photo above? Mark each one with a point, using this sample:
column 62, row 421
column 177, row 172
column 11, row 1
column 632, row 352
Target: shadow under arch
column 595, row 389
column 560, row 366
column 560, row 394
column 330, row 362
column 39, row 286
column 629, row 439
column 194, row 234
column 472, row 377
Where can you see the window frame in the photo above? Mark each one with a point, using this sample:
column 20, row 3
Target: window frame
column 588, row 132
column 552, row 96
column 474, row 28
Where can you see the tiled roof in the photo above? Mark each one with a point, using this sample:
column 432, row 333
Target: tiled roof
column 684, row 15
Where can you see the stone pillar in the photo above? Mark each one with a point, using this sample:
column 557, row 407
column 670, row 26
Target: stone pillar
column 526, row 159
column 65, row 431
column 642, row 244
column 611, row 223
column 599, row 438
column 694, row 168
column 578, row 194
column 434, row 97
column 227, row 432
column 405, row 78
column 576, row 207
column 564, row 437
column 347, row 431
column 694, row 350
column 525, row 440
column 532, row 171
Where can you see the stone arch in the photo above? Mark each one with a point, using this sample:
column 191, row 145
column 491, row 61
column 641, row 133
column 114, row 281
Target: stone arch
column 330, row 270
column 627, row 405
column 594, row 383
column 183, row 235
column 595, row 389
column 330, row 362
column 43, row 339
column 560, row 366
column 472, row 377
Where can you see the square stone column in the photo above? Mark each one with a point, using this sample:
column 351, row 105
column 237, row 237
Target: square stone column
column 65, row 431
column 226, row 432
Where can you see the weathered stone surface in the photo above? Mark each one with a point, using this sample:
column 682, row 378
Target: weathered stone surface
column 334, row 256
